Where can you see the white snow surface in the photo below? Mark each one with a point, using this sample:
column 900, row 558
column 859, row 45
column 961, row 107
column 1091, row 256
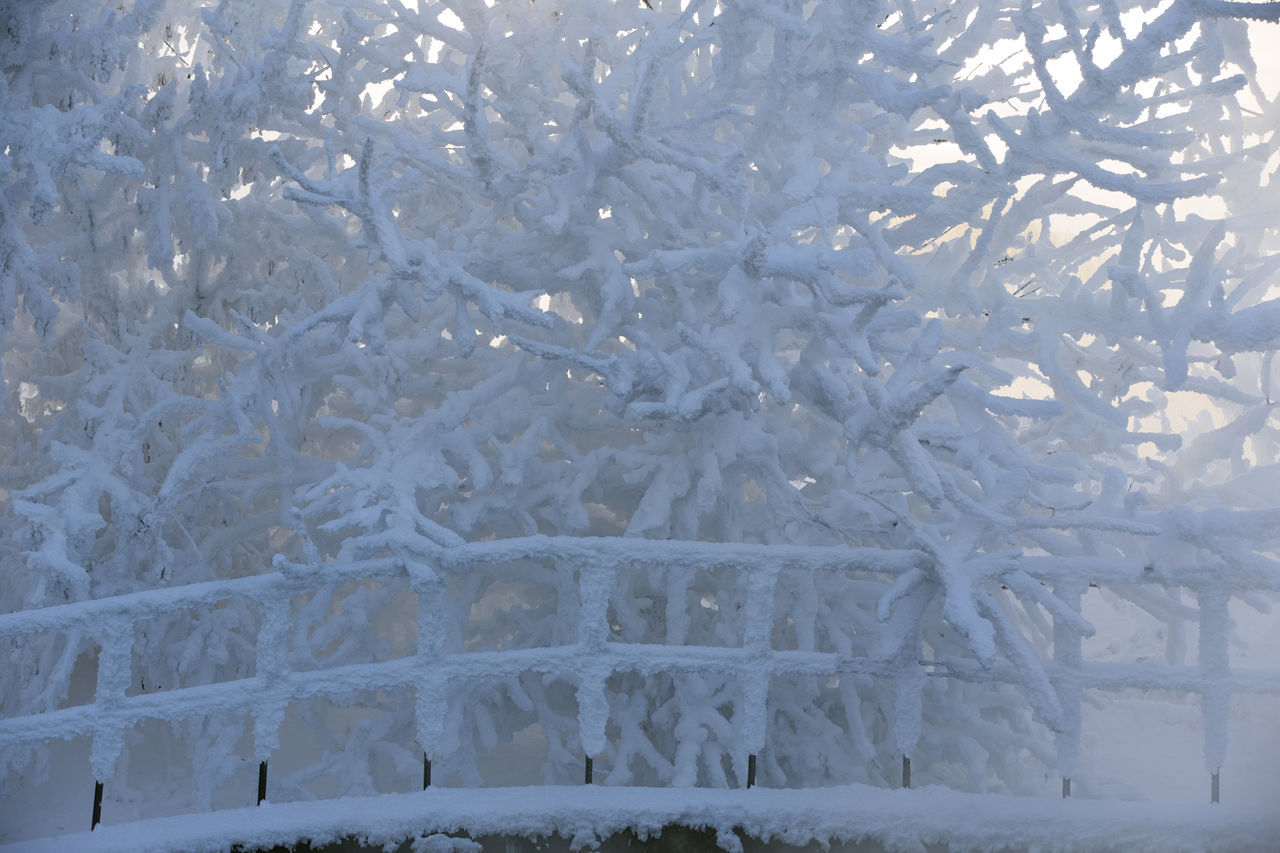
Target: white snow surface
column 898, row 819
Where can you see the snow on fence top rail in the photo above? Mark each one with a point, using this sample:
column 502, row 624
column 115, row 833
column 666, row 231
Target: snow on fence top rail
column 612, row 551
column 602, row 551
column 588, row 567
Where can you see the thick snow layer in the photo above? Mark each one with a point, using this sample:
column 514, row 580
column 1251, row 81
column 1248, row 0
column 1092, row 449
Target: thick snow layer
column 899, row 819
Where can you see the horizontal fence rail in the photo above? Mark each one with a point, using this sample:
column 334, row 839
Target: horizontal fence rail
column 588, row 568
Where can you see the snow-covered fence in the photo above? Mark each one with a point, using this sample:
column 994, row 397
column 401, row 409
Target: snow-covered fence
column 592, row 647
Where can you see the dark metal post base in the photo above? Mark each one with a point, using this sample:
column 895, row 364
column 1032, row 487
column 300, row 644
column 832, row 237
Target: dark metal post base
column 97, row 805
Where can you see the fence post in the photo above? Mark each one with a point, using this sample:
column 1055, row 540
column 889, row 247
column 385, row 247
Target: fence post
column 595, row 582
column 431, row 688
column 762, row 582
column 115, row 664
column 273, row 668
column 679, row 578
column 1068, row 654
column 909, row 702
column 1215, row 700
column 587, row 774
column 97, row 805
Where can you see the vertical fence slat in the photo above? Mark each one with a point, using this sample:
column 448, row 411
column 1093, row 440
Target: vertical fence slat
column 909, row 700
column 762, row 584
column 115, row 662
column 679, row 577
column 594, row 584
column 1215, row 698
column 273, row 694
column 910, row 665
column 431, row 688
column 1068, row 654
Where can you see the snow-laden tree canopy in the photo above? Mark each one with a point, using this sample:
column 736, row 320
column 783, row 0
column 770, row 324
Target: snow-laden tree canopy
column 288, row 285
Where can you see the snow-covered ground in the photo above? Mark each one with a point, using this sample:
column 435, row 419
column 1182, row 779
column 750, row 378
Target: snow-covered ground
column 900, row 820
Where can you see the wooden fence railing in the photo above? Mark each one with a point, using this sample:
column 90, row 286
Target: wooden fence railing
column 588, row 567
